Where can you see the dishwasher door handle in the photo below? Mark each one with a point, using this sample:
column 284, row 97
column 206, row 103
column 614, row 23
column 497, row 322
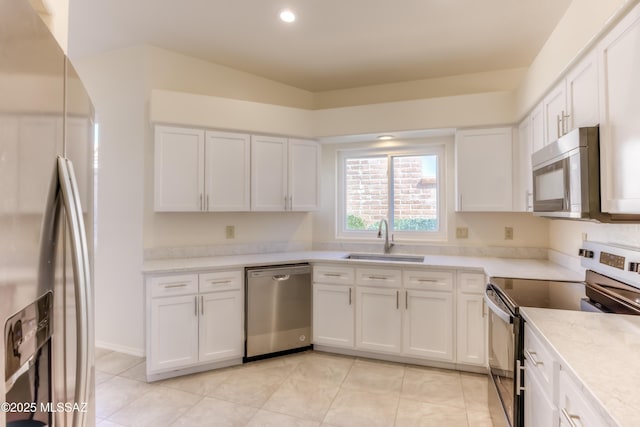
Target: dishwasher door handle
column 281, row 277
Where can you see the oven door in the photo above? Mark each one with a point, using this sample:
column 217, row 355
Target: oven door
column 505, row 401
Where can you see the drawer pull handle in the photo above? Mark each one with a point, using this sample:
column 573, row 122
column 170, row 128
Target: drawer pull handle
column 531, row 356
column 570, row 417
column 428, row 280
column 333, row 274
column 397, row 300
column 219, row 282
column 378, row 277
column 175, row 285
column 349, row 296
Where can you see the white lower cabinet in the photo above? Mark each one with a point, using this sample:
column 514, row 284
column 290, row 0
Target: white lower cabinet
column 174, row 332
column 428, row 324
column 471, row 324
column 573, row 406
column 378, row 319
column 333, row 315
column 193, row 319
column 220, row 329
column 539, row 410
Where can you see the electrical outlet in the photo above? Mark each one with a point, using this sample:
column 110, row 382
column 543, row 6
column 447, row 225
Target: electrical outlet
column 462, row 233
column 508, row 233
column 230, row 231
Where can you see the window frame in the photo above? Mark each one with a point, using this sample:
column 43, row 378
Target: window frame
column 416, row 149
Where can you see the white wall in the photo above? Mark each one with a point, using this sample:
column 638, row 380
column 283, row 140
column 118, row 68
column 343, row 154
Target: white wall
column 115, row 84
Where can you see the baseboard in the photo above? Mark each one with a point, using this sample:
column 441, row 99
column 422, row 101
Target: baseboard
column 120, row 348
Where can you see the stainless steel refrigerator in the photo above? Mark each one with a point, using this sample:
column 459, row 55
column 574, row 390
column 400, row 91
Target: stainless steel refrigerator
column 47, row 164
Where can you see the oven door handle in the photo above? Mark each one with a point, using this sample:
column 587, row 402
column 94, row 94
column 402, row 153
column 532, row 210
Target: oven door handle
column 505, row 316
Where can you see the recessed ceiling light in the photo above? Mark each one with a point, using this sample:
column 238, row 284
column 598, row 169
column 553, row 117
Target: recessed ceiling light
column 287, row 16
column 385, row 137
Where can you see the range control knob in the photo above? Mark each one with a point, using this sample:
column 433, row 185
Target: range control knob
column 634, row 266
column 585, row 253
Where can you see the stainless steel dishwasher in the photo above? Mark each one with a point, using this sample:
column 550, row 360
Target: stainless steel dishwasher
column 278, row 310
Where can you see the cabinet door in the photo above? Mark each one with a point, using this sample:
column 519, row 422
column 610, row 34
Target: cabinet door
column 268, row 173
column 619, row 111
column 539, row 410
column 574, row 407
column 484, row 170
column 173, row 332
column 582, row 93
column 179, row 169
column 304, row 175
column 471, row 330
column 227, row 171
column 428, row 324
column 523, row 193
column 333, row 315
column 378, row 319
column 221, row 331
column 537, row 129
column 554, row 107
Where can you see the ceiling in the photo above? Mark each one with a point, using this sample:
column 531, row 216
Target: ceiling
column 334, row 44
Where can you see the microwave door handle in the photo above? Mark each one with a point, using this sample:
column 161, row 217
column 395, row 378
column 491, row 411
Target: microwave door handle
column 82, row 283
column 506, row 317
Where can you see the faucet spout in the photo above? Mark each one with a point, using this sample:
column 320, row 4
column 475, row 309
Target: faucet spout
column 387, row 245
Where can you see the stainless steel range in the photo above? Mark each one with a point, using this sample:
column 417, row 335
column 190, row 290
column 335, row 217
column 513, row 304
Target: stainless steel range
column 612, row 285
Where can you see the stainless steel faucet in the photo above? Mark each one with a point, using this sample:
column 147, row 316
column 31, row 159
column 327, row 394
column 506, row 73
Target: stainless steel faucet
column 387, row 245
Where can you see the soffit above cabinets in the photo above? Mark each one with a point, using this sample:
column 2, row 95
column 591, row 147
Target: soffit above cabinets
column 333, row 44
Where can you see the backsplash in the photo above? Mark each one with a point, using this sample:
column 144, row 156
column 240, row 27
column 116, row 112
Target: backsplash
column 478, row 251
column 221, row 250
column 271, row 247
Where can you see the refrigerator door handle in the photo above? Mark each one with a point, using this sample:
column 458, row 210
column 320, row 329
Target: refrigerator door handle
column 82, row 282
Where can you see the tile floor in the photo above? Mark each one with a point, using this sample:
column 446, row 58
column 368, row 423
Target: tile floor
column 304, row 389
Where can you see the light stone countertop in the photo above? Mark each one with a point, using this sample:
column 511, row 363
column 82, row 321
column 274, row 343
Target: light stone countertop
column 493, row 267
column 601, row 352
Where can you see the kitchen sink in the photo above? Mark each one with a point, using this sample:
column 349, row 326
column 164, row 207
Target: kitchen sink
column 386, row 257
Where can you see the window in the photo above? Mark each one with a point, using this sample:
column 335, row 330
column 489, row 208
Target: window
column 404, row 187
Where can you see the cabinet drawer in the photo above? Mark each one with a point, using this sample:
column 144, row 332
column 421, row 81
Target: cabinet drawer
column 220, row 281
column 165, row 286
column 333, row 275
column 427, row 279
column 384, row 277
column 471, row 283
column 541, row 360
column 574, row 405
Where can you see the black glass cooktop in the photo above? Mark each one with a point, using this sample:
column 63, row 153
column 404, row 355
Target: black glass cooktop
column 542, row 293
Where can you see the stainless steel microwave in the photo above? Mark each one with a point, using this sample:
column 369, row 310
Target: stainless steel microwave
column 566, row 177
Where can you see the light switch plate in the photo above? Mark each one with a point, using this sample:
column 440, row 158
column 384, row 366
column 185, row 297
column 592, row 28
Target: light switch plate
column 230, row 231
column 462, row 233
column 508, row 233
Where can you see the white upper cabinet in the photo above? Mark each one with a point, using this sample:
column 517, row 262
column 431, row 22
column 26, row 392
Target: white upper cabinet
column 201, row 171
column 619, row 96
column 582, row 93
column 304, row 175
column 484, row 170
column 537, row 129
column 227, row 171
column 179, row 169
column 285, row 174
column 573, row 102
column 523, row 183
column 554, row 110
column 269, row 173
